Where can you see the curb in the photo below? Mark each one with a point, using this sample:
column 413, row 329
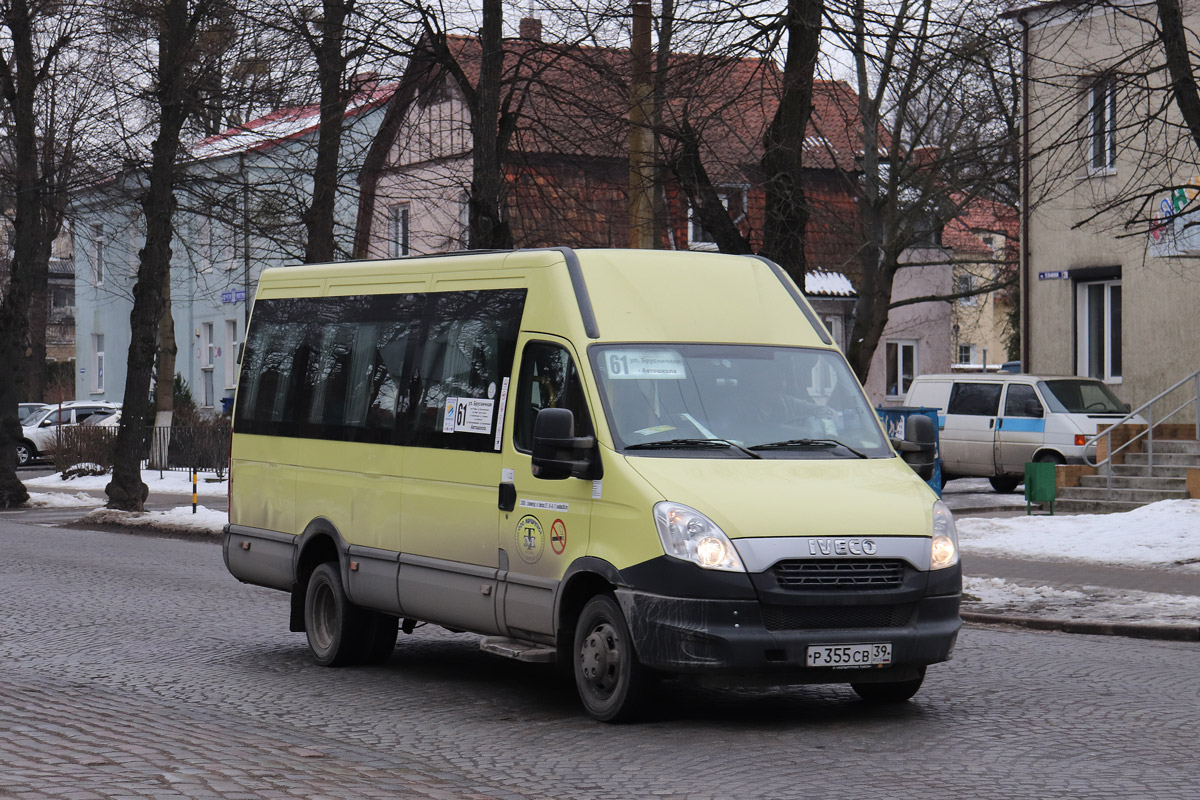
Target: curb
column 1132, row 630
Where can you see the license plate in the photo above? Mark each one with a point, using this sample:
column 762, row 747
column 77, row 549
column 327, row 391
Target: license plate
column 850, row 655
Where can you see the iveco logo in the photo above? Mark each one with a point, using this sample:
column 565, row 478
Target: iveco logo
column 842, row 547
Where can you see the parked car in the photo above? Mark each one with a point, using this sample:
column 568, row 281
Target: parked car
column 27, row 410
column 992, row 424
column 40, row 431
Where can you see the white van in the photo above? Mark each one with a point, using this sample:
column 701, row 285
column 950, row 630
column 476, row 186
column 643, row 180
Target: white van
column 993, row 423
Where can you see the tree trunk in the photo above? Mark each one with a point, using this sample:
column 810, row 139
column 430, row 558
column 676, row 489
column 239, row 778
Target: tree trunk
column 1173, row 35
column 488, row 228
column 18, row 82
column 126, row 491
column 784, row 231
column 331, row 67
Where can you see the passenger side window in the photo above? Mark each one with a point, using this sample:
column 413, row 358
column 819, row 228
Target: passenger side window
column 548, row 380
column 466, row 356
column 1021, row 401
column 976, row 399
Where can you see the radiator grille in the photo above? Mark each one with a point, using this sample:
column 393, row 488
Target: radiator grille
column 835, row 574
column 792, row 618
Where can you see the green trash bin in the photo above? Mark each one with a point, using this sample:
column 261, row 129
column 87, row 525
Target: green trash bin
column 1039, row 484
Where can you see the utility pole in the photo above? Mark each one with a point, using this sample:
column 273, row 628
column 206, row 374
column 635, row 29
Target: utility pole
column 641, row 137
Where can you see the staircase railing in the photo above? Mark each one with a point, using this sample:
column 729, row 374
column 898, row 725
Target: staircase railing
column 1147, row 411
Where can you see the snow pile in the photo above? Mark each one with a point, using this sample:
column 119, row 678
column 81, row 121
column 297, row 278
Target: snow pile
column 1162, row 533
column 204, row 521
column 998, row 596
column 61, row 500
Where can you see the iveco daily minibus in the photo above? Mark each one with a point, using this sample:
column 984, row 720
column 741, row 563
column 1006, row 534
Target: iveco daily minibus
column 634, row 463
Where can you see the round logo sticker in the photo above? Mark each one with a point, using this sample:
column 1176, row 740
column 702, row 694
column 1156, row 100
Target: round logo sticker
column 558, row 537
column 531, row 540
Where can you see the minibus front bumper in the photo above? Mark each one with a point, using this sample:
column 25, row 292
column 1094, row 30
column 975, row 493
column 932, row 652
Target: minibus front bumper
column 690, row 635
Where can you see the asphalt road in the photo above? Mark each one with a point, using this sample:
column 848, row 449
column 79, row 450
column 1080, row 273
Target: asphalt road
column 136, row 667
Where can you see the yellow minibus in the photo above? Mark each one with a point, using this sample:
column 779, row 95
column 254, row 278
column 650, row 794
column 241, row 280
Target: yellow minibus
column 633, row 463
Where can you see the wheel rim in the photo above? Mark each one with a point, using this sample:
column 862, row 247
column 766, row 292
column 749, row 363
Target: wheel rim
column 22, row 454
column 600, row 658
column 324, row 613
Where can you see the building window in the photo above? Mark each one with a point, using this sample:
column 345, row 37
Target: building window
column 966, row 354
column 230, row 354
column 901, row 366
column 1102, row 125
column 837, row 329
column 965, row 282
column 699, row 238
column 1098, row 332
column 97, row 363
column 98, row 255
column 398, row 230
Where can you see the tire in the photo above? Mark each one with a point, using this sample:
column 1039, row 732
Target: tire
column 893, row 692
column 336, row 628
column 26, row 452
column 1005, row 484
column 611, row 682
column 380, row 639
column 1050, row 458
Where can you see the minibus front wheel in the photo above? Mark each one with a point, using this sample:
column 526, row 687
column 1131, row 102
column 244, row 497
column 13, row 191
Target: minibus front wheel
column 611, row 681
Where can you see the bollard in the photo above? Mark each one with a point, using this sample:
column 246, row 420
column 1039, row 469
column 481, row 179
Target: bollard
column 193, row 490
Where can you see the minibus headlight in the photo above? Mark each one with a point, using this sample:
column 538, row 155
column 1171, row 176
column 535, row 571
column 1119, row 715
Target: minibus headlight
column 688, row 535
column 944, row 543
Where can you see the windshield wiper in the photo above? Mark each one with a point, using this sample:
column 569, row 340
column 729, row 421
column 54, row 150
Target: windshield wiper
column 669, row 444
column 790, row 443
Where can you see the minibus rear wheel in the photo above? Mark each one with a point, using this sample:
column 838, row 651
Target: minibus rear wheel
column 891, row 692
column 335, row 626
column 611, row 682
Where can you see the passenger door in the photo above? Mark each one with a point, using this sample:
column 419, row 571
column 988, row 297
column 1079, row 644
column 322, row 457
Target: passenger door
column 1021, row 430
column 544, row 524
column 968, row 440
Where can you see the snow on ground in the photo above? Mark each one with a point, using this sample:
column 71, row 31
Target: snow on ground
column 60, row 500
column 203, row 521
column 1163, row 533
column 207, row 484
column 1092, row 603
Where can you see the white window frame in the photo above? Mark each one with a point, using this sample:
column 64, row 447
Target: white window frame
column 230, row 354
column 399, row 230
column 207, row 345
column 966, row 282
column 97, row 363
column 970, row 354
column 1102, row 126
column 1083, row 325
column 901, row 345
column 837, row 329
column 98, row 245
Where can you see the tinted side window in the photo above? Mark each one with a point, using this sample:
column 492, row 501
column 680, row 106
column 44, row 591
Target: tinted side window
column 328, row 368
column 548, row 380
column 466, row 358
column 1020, row 401
column 979, row 399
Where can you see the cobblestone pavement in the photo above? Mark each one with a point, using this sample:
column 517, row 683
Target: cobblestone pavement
column 136, row 667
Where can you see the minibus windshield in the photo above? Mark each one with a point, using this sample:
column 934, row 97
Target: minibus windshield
column 722, row 400
column 1081, row 396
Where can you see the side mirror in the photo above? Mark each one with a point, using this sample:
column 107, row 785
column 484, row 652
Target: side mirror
column 1034, row 409
column 1128, row 408
column 557, row 452
column 919, row 446
column 47, row 422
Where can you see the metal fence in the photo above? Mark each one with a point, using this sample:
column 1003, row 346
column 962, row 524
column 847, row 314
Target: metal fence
column 202, row 446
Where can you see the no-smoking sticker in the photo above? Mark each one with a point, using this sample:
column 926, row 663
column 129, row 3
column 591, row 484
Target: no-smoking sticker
column 558, row 537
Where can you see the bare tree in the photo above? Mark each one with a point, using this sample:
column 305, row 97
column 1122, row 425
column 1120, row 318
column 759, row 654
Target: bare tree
column 38, row 170
column 177, row 78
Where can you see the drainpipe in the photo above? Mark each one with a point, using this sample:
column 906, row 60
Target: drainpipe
column 1025, row 181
